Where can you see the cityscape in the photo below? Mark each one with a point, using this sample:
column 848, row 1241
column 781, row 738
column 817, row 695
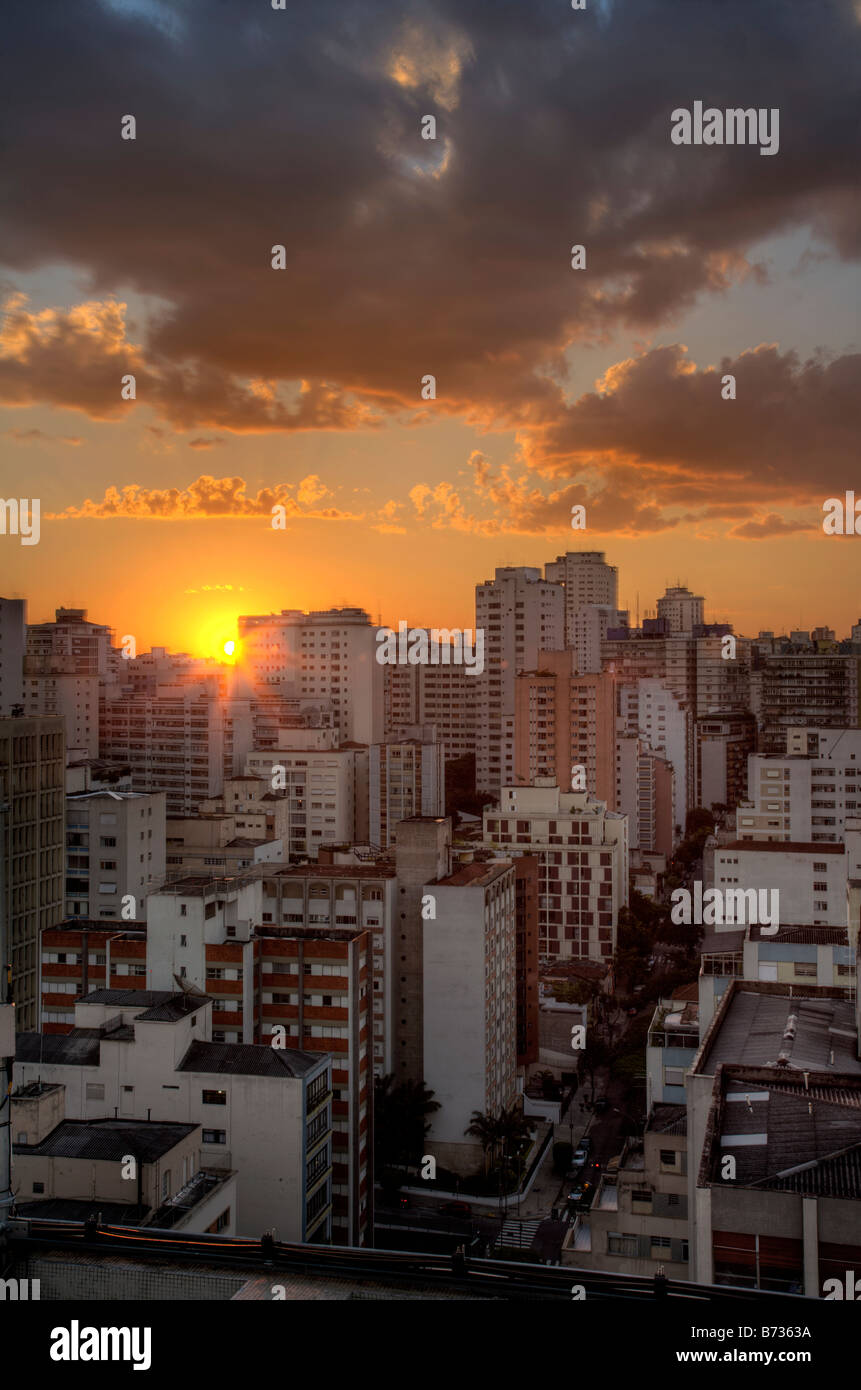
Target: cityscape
column 430, row 825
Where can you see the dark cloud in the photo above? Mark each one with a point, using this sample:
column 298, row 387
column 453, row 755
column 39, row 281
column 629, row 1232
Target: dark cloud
column 258, row 127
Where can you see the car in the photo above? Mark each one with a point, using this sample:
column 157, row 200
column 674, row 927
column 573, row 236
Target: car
column 459, row 1209
column 581, row 1195
column 583, row 1150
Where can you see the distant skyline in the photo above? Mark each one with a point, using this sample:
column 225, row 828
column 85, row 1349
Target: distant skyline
column 406, row 258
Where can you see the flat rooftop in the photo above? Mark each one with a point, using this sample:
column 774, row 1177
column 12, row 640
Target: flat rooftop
column 474, row 875
column 781, row 847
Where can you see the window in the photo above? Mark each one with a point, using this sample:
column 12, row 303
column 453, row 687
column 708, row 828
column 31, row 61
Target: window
column 38, row 1187
column 622, row 1245
column 95, row 1091
column 214, row 1097
column 669, row 1158
column 165, row 1186
column 674, row 1076
column 183, row 909
column 214, row 1136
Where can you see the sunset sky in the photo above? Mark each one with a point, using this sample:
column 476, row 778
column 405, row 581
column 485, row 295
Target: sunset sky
column 408, row 257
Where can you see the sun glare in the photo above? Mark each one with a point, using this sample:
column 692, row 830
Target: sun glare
column 229, row 648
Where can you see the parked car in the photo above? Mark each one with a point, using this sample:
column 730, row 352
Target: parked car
column 460, row 1209
column 583, row 1150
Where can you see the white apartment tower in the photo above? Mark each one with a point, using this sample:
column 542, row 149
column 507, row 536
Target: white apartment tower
column 470, row 1006
column 520, row 614
column 328, row 656
column 587, row 579
column 682, row 609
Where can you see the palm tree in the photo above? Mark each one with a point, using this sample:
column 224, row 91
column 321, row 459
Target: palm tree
column 401, row 1109
column 486, row 1129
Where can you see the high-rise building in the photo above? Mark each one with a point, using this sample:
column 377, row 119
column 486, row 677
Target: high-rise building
column 406, row 778
column 13, row 642
column 115, row 852
column 470, row 1022
column 183, row 741
column 70, row 645
column 32, row 793
column 564, row 722
column 423, row 855
column 650, row 709
column 807, row 793
column 790, row 689
column 521, row 614
column 583, row 849
column 327, row 656
column 682, row 610
column 587, row 580
column 75, row 698
column 723, row 745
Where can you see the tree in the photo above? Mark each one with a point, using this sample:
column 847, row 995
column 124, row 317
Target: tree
column 485, row 1129
column 400, row 1120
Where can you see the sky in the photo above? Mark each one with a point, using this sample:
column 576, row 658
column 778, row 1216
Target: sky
column 301, row 388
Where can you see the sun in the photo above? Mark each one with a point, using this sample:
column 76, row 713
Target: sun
column 229, row 648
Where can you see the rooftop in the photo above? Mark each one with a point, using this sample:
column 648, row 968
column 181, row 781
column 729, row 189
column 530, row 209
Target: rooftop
column 774, row 1025
column 474, row 875
column 248, row 1059
column 787, row 1132
column 781, row 847
column 157, row 1005
column 108, row 1139
column 667, row 1119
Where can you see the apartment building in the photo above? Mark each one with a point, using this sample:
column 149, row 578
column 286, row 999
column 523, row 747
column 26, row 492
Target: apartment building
column 289, row 958
column 810, row 878
column 723, row 744
column 81, row 955
column 583, row 849
column 13, row 643
column 776, row 1088
column 264, row 1112
column 805, row 793
column 588, row 582
column 638, row 1220
column 564, row 722
column 406, row 778
column 526, row 887
column 183, row 741
column 797, row 956
column 32, row 790
column 645, row 793
column 212, row 844
column 115, row 853
column 650, row 709
column 70, row 644
column 75, row 698
column 326, row 787
column 520, row 615
column 794, row 689
column 423, row 855
column 72, row 1170
column 681, row 610
column 470, row 1028
column 327, row 656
